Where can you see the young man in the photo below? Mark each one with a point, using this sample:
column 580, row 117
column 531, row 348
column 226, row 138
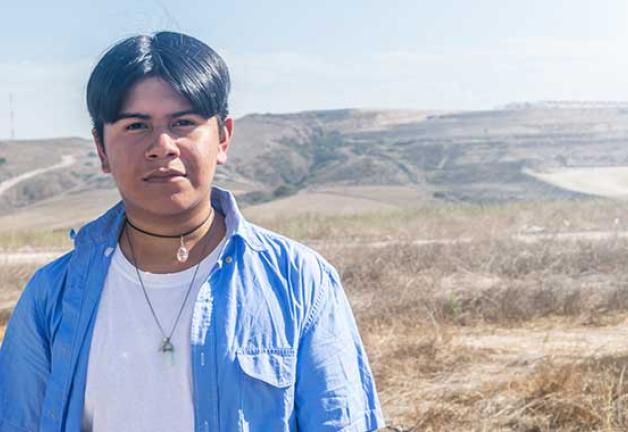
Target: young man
column 173, row 313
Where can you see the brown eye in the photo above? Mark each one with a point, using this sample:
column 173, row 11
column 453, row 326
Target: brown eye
column 135, row 126
column 184, row 123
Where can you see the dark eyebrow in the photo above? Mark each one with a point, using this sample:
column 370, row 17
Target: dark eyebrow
column 127, row 115
column 131, row 115
column 186, row 112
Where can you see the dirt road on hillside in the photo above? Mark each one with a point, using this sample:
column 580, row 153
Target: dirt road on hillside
column 66, row 161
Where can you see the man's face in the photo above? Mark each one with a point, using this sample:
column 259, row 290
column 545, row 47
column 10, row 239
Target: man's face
column 161, row 154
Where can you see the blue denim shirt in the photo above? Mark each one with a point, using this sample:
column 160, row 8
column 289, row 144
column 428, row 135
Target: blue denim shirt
column 274, row 343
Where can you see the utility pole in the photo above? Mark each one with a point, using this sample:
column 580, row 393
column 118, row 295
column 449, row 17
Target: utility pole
column 11, row 116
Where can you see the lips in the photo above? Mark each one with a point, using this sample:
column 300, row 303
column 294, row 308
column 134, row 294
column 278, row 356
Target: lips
column 164, row 175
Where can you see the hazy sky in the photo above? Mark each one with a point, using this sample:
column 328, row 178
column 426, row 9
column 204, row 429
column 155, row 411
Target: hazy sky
column 301, row 55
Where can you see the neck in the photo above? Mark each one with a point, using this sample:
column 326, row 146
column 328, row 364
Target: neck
column 169, row 224
column 158, row 255
column 208, row 220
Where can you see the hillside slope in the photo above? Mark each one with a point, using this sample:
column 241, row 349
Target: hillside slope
column 470, row 156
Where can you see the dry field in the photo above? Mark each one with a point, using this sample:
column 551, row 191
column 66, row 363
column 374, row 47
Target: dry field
column 477, row 318
column 609, row 181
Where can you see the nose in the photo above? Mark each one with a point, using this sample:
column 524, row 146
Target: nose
column 163, row 146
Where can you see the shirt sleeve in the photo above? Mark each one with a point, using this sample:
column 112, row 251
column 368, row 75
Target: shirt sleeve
column 24, row 365
column 335, row 390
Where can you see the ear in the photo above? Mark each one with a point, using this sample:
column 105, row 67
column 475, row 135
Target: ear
column 102, row 155
column 225, row 140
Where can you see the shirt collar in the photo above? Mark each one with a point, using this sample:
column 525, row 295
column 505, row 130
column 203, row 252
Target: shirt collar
column 224, row 202
column 106, row 229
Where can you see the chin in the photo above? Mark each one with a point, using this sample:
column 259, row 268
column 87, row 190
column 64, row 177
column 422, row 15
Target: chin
column 172, row 205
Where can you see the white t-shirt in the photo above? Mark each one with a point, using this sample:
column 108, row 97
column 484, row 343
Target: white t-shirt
column 131, row 385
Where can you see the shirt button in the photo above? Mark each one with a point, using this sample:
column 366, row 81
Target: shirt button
column 108, row 251
column 228, row 260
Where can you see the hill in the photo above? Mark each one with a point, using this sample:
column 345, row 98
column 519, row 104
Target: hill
column 481, row 156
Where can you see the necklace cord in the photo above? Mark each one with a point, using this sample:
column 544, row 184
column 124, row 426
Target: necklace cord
column 136, row 228
column 187, row 294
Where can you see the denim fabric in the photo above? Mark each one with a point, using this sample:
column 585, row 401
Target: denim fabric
column 274, row 343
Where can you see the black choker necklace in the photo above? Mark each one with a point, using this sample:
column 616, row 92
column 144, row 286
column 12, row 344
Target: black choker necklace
column 182, row 252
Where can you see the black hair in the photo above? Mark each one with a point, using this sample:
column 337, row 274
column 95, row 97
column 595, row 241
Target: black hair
column 191, row 67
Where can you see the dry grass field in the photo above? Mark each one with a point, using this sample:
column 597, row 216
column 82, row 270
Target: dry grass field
column 476, row 318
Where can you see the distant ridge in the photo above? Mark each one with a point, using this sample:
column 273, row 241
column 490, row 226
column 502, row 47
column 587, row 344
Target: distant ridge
column 567, row 104
column 477, row 156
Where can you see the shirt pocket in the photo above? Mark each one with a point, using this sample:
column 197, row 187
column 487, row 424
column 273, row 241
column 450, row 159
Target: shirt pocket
column 267, row 377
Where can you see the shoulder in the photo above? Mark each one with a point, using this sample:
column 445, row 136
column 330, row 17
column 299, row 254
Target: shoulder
column 295, row 272
column 291, row 255
column 53, row 271
column 45, row 286
column 55, row 267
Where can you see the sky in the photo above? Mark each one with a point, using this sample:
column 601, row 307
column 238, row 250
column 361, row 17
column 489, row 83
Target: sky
column 287, row 56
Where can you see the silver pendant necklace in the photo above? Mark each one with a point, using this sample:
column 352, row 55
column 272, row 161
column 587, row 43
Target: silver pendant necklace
column 182, row 253
column 166, row 345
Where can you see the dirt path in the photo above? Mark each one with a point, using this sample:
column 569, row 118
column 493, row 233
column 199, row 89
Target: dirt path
column 524, row 237
column 559, row 341
column 7, row 258
column 66, row 161
column 42, row 257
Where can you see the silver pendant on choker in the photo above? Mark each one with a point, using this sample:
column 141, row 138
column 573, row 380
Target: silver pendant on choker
column 182, row 252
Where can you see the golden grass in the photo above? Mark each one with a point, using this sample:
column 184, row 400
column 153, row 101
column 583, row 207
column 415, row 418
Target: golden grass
column 454, row 221
column 415, row 302
column 585, row 395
